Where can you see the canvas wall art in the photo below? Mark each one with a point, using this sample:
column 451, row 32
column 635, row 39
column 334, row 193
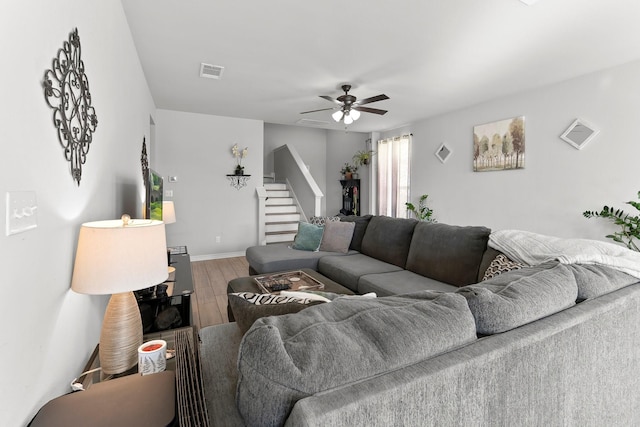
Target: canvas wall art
column 499, row 145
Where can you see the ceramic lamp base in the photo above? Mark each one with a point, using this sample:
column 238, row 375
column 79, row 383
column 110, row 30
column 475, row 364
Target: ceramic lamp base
column 121, row 334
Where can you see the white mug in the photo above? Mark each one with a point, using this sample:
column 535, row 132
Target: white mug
column 152, row 357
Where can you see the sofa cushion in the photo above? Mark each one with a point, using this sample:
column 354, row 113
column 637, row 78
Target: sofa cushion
column 448, row 253
column 346, row 270
column 286, row 358
column 388, row 239
column 281, row 257
column 358, row 233
column 400, row 282
column 596, row 280
column 248, row 307
column 337, row 236
column 309, row 237
column 518, row 297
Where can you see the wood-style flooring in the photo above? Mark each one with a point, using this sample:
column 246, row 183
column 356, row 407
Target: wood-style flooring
column 210, row 278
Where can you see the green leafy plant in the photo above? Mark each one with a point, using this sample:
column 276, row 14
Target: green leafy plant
column 629, row 225
column 422, row 212
column 363, row 157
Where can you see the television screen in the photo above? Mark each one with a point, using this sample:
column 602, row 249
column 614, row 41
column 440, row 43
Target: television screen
column 153, row 202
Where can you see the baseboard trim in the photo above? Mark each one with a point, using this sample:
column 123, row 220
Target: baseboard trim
column 216, row 256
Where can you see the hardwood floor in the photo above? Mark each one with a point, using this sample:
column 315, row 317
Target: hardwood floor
column 210, row 278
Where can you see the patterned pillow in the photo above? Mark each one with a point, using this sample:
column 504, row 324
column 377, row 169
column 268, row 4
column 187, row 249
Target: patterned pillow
column 501, row 264
column 263, row 299
column 322, row 220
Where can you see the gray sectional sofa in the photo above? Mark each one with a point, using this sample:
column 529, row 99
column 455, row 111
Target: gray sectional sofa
column 546, row 344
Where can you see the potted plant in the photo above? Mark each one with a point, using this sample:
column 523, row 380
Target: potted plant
column 239, row 155
column 629, row 225
column 422, row 212
column 347, row 171
column 363, row 157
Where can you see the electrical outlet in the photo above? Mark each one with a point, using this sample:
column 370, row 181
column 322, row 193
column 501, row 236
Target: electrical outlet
column 168, row 193
column 21, row 211
column 218, row 239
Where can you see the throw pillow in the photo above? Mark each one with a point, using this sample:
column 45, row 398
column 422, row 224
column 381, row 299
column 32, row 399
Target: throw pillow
column 358, row 233
column 246, row 311
column 308, row 238
column 501, row 264
column 322, row 220
column 337, row 236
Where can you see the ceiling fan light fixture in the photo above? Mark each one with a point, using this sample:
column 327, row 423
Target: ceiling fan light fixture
column 347, row 119
column 355, row 114
column 337, row 115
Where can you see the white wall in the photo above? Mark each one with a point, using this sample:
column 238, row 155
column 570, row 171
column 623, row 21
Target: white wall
column 558, row 182
column 196, row 148
column 47, row 331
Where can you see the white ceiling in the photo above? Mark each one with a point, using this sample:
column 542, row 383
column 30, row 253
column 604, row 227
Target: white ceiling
column 428, row 56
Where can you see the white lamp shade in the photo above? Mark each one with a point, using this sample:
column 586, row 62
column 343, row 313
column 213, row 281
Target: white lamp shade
column 168, row 212
column 355, row 114
column 347, row 119
column 337, row 115
column 112, row 258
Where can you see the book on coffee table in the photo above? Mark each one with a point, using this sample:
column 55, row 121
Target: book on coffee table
column 289, row 281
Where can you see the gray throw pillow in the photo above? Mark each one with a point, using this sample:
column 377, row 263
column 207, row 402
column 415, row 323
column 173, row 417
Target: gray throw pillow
column 286, row 358
column 361, row 223
column 308, row 238
column 337, row 236
column 518, row 297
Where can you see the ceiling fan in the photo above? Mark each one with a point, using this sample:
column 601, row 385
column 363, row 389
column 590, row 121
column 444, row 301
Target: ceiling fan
column 350, row 107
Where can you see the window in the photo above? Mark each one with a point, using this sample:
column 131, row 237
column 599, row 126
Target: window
column 393, row 176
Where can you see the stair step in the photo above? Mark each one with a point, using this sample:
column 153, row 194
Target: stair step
column 287, row 217
column 278, row 193
column 280, row 237
column 275, row 186
column 281, row 226
column 271, row 201
column 281, row 209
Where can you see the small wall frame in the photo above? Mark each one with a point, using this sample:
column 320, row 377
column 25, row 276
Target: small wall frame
column 443, row 152
column 580, row 133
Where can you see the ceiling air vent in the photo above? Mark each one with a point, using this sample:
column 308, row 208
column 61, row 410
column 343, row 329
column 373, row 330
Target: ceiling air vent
column 211, row 71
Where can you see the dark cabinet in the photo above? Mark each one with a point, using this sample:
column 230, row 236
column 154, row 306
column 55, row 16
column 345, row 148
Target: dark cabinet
column 350, row 196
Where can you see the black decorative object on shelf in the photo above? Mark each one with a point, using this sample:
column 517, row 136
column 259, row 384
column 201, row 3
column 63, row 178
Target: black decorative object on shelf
column 66, row 90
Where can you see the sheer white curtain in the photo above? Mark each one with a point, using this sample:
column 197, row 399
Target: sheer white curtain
column 393, row 176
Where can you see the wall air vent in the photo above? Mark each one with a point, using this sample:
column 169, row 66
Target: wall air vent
column 310, row 122
column 211, row 71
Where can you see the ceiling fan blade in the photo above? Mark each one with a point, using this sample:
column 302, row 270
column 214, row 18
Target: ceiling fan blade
column 369, row 110
column 372, row 99
column 330, row 99
column 322, row 109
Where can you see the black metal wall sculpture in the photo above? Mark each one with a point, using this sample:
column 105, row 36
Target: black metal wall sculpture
column 144, row 160
column 66, row 90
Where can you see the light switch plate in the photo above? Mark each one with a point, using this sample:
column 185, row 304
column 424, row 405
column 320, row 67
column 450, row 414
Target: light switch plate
column 22, row 211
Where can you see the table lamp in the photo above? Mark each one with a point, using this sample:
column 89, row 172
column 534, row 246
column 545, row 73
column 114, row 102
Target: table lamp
column 168, row 212
column 117, row 257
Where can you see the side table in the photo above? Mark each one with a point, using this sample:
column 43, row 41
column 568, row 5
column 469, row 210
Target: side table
column 192, row 410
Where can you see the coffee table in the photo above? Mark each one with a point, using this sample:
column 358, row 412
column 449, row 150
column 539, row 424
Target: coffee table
column 248, row 284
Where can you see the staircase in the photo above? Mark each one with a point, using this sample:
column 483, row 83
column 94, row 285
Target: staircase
column 281, row 214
